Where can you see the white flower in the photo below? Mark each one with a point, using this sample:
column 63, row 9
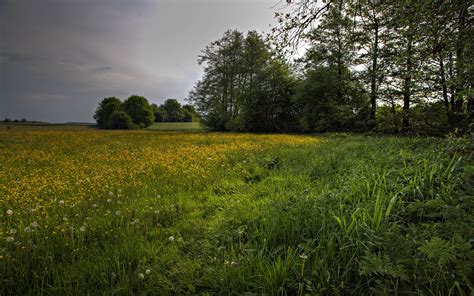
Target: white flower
column 233, row 263
column 35, row 224
column 111, row 193
column 171, row 238
column 9, row 212
column 118, row 213
column 147, row 271
column 120, row 191
column 27, row 229
column 61, row 202
column 158, row 196
column 109, row 200
column 94, row 205
column 82, row 228
column 141, row 275
column 226, row 262
column 12, row 231
column 157, row 212
column 10, row 239
column 303, row 256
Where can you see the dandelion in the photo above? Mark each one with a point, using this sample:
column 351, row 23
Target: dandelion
column 109, row 200
column 27, row 229
column 12, row 231
column 157, row 212
column 303, row 256
column 35, row 224
column 147, row 271
column 94, row 206
column 9, row 212
column 118, row 213
column 10, row 239
column 158, row 196
column 141, row 276
column 171, row 238
column 61, row 202
column 111, row 193
column 82, row 228
column 226, row 262
column 233, row 263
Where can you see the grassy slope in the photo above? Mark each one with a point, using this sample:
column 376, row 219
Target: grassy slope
column 351, row 215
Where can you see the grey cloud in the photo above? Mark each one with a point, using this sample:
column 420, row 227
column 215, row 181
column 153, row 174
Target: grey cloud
column 58, row 58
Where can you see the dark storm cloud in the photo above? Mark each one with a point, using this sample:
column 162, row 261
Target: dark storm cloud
column 58, row 58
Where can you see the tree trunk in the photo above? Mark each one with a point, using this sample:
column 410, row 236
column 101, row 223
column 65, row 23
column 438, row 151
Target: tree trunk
column 373, row 78
column 407, row 85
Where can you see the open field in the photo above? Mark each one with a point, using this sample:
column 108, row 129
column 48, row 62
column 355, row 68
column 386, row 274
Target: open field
column 87, row 211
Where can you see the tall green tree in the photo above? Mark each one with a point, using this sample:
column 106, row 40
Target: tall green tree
column 139, row 110
column 105, row 109
column 246, row 86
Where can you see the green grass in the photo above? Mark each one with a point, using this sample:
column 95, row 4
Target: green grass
column 350, row 215
column 177, row 126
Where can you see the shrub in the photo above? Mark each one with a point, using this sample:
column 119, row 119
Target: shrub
column 139, row 110
column 120, row 120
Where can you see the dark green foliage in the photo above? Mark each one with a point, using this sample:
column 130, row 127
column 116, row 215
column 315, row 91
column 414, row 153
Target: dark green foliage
column 251, row 92
column 139, row 110
column 322, row 109
column 105, row 109
column 187, row 116
column 120, row 120
column 172, row 110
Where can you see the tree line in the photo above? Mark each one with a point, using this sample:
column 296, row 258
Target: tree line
column 136, row 112
column 390, row 66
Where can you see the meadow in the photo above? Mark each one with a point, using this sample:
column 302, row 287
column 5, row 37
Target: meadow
column 86, row 211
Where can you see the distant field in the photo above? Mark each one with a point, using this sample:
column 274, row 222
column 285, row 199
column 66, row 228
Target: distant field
column 145, row 212
column 177, row 126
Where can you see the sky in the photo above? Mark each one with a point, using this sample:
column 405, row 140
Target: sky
column 59, row 58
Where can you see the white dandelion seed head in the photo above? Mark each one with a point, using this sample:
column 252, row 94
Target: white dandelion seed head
column 61, row 202
column 147, row 271
column 111, row 193
column 9, row 212
column 303, row 256
column 171, row 238
column 82, row 228
column 141, row 276
column 12, row 231
column 94, row 205
column 10, row 239
column 27, row 229
column 35, row 224
column 109, row 200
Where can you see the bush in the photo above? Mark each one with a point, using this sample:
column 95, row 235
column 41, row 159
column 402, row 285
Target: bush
column 106, row 107
column 120, row 120
column 187, row 117
column 139, row 110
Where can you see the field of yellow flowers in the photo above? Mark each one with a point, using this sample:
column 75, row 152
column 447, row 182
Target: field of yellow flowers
column 149, row 212
column 58, row 187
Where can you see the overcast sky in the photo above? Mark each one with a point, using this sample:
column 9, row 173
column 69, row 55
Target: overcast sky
column 59, row 58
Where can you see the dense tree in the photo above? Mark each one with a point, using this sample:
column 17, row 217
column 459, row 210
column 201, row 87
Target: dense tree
column 105, row 109
column 407, row 54
column 173, row 111
column 120, row 120
column 246, row 86
column 139, row 110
